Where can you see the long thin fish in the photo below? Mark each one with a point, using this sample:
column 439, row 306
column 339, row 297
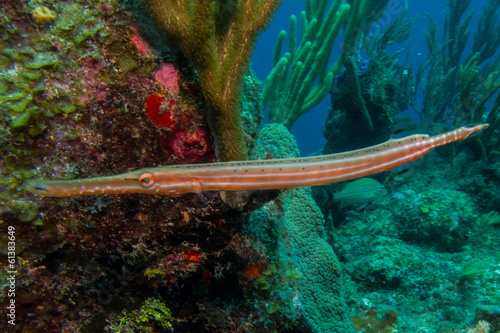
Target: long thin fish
column 256, row 175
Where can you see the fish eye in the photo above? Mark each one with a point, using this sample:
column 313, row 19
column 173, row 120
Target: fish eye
column 147, row 180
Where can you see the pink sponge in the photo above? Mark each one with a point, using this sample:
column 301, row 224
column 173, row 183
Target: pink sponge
column 167, row 75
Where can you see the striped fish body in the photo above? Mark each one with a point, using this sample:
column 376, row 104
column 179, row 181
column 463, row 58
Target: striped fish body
column 174, row 180
column 360, row 192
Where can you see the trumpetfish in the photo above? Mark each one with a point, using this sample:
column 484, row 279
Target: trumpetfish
column 175, row 180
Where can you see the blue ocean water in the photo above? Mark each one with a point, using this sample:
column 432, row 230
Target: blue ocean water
column 308, row 130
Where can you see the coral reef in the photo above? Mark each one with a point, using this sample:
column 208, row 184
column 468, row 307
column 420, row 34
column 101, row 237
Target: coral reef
column 89, row 88
column 435, row 218
column 151, row 312
column 344, row 129
column 83, row 95
column 302, row 77
column 218, row 39
column 252, row 110
column 321, row 288
column 408, row 248
column 185, row 147
column 42, row 15
column 295, row 223
column 460, row 84
column 373, row 324
column 288, row 89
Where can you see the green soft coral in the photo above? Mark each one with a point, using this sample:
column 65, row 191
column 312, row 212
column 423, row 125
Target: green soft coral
column 302, row 77
column 290, row 90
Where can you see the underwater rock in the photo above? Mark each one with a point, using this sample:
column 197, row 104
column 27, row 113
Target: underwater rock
column 345, row 128
column 439, row 219
column 489, row 314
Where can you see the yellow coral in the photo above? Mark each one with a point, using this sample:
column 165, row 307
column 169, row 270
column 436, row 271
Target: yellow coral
column 42, row 15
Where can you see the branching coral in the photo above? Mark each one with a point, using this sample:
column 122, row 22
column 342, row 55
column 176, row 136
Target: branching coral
column 478, row 88
column 458, row 85
column 217, row 37
column 290, row 89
